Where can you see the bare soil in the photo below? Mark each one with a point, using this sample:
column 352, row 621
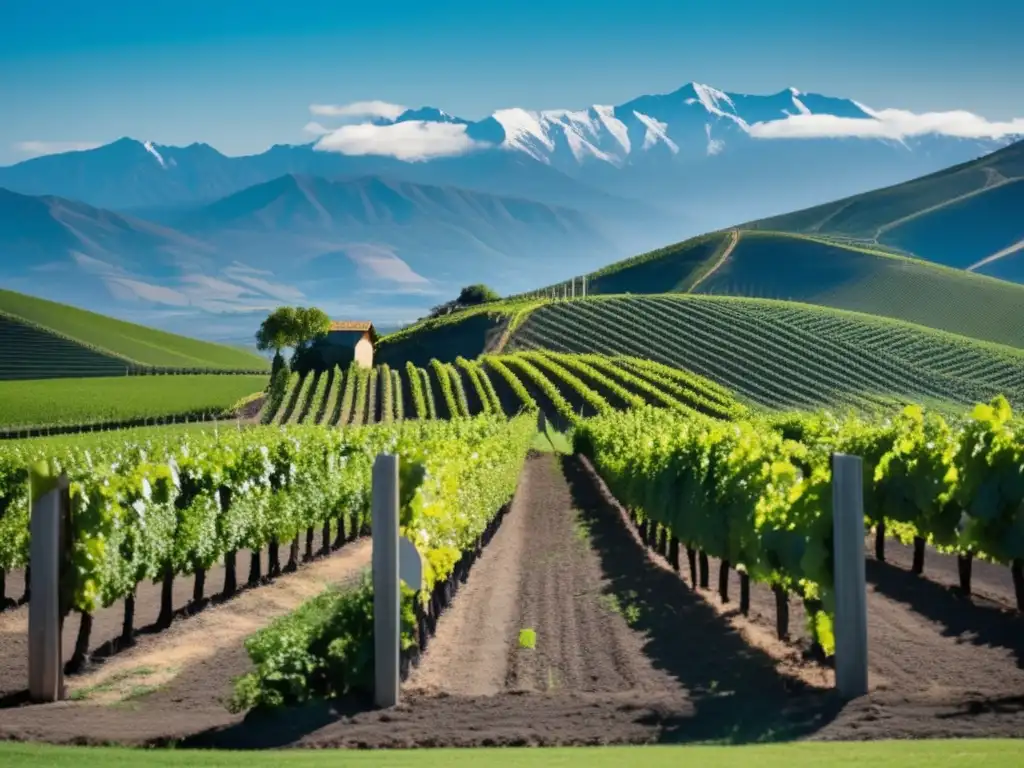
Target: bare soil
column 621, row 650
column 270, row 598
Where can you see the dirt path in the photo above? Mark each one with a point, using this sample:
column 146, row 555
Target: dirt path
column 157, row 658
column 1008, row 251
column 468, row 656
column 734, row 240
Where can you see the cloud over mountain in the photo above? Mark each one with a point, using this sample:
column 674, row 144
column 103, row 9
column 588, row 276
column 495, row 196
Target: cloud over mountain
column 40, row 148
column 886, row 124
column 411, row 140
column 359, row 109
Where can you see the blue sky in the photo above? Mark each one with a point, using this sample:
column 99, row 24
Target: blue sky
column 241, row 75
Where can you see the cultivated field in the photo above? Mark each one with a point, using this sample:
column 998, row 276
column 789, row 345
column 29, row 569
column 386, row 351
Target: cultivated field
column 565, row 387
column 573, row 621
column 83, row 402
column 83, row 343
column 652, row 566
column 825, row 272
column 778, row 355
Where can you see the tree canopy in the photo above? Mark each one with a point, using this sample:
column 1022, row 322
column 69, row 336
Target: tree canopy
column 469, row 296
column 292, row 327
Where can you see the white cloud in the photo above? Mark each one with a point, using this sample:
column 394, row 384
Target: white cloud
column 315, row 128
column 39, row 148
column 412, row 140
column 714, row 145
column 247, row 276
column 126, row 288
column 203, row 287
column 893, row 124
column 380, row 262
column 359, row 109
column 93, row 265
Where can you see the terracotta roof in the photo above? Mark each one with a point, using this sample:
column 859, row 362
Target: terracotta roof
column 352, row 325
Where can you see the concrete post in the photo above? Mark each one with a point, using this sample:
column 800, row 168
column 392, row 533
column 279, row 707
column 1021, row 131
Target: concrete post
column 45, row 664
column 851, row 625
column 386, row 592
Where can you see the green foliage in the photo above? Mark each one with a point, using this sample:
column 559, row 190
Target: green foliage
column 482, row 392
column 324, row 649
column 454, row 477
column 428, row 392
column 757, row 493
column 359, row 406
column 583, row 390
column 348, row 394
column 292, row 327
column 497, row 365
column 990, row 482
column 387, row 408
column 444, row 381
column 396, row 385
column 183, row 500
column 300, row 398
column 561, row 405
column 372, row 388
column 98, row 335
column 416, row 386
column 276, row 395
column 278, row 330
column 280, row 416
column 59, row 402
column 470, row 296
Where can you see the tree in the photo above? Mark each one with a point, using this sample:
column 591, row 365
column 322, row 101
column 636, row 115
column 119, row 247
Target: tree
column 295, row 327
column 279, row 330
column 310, row 324
column 469, row 296
column 476, row 294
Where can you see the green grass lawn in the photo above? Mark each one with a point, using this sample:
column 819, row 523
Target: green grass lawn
column 145, row 346
column 882, row 754
column 53, row 402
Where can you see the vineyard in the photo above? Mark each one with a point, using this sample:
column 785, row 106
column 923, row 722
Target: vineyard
column 220, row 571
column 822, row 271
column 566, row 387
column 758, row 493
column 783, row 355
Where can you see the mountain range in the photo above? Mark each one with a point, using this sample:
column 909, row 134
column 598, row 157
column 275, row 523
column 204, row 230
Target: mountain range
column 387, row 215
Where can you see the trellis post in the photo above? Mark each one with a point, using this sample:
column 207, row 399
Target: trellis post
column 49, row 513
column 851, row 625
column 386, row 592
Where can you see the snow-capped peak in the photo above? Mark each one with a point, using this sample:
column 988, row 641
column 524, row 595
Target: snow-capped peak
column 712, row 99
column 152, row 150
column 696, row 120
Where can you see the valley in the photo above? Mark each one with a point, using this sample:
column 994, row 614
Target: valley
column 616, row 351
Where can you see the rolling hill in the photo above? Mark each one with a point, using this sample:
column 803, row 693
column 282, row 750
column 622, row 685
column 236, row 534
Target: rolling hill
column 355, row 247
column 831, row 273
column 774, row 354
column 970, row 216
column 41, row 339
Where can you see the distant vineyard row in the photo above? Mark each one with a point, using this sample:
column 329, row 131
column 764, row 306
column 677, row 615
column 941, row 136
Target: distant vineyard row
column 781, row 355
column 565, row 387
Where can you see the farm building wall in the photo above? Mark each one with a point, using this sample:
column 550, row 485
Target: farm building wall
column 342, row 347
column 364, row 352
